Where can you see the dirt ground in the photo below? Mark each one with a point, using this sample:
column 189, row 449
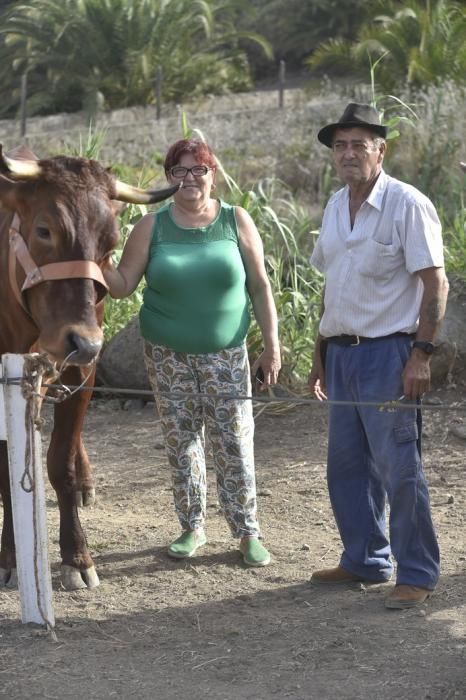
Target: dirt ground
column 211, row 629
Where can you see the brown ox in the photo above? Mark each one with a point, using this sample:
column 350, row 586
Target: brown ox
column 65, row 211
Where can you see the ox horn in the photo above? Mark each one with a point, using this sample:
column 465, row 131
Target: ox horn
column 20, row 168
column 134, row 195
column 463, row 166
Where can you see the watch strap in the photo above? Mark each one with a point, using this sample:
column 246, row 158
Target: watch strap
column 424, row 345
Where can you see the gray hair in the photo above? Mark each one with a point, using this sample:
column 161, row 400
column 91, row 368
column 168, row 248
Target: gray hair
column 378, row 141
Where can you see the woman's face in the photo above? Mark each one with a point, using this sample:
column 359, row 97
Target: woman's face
column 197, row 185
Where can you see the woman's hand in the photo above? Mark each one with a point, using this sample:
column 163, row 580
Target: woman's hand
column 266, row 368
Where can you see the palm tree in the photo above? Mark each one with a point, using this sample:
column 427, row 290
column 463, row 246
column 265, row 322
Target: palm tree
column 295, row 28
column 78, row 50
column 422, row 41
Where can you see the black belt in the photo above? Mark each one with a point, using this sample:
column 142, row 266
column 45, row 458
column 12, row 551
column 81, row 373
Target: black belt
column 350, row 340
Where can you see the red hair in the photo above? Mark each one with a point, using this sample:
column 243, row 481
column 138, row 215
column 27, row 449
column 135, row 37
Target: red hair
column 200, row 151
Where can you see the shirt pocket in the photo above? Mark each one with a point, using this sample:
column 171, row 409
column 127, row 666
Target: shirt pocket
column 380, row 260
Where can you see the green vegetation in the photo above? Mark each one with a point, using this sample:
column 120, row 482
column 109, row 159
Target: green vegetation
column 89, row 54
column 107, row 53
column 295, row 28
column 455, row 244
column 422, row 41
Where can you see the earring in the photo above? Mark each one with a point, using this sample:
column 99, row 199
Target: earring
column 213, row 186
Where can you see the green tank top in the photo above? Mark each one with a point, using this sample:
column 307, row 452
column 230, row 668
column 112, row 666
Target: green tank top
column 195, row 300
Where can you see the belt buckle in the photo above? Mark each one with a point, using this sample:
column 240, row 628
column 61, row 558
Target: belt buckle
column 352, row 345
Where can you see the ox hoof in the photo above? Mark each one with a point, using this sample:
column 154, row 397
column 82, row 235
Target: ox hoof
column 73, row 579
column 90, row 577
column 88, row 498
column 84, row 499
column 8, row 578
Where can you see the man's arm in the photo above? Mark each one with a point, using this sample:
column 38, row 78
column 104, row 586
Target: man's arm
column 417, row 373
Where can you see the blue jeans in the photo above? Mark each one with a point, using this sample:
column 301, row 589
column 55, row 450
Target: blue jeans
column 374, row 454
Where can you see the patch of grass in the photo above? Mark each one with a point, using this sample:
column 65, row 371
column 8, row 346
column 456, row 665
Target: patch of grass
column 455, row 244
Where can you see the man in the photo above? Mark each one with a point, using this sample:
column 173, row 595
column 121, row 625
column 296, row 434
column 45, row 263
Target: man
column 380, row 249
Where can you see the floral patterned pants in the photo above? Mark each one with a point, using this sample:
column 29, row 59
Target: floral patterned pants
column 229, row 425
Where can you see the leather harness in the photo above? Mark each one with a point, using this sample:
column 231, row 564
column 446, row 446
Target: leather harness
column 19, row 253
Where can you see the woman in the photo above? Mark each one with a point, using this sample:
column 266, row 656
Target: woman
column 203, row 260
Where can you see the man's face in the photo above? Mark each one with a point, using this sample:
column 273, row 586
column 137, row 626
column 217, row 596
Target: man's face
column 357, row 158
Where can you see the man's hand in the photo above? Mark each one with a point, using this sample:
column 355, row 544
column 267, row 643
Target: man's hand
column 416, row 375
column 317, row 385
column 316, row 378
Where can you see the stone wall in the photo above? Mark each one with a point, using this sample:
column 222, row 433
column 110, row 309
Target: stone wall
column 251, row 131
column 250, row 124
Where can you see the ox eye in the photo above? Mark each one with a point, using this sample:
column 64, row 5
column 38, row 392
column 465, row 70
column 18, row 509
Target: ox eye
column 43, row 233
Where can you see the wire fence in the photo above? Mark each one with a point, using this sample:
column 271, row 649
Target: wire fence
column 65, row 391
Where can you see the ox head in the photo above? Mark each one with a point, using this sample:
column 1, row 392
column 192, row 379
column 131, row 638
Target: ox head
column 67, row 210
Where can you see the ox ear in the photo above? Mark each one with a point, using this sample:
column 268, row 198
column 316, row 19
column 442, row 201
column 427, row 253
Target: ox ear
column 134, row 195
column 8, row 191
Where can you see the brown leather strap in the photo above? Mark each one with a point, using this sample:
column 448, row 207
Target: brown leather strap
column 82, row 269
column 14, row 231
column 22, row 253
column 70, row 269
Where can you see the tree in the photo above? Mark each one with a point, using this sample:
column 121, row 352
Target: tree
column 422, row 42
column 76, row 51
column 294, row 28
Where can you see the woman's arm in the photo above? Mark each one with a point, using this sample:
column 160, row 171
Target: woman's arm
column 260, row 292
column 124, row 279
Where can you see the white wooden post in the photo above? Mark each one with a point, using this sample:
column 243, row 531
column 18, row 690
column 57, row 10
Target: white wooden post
column 2, row 408
column 27, row 496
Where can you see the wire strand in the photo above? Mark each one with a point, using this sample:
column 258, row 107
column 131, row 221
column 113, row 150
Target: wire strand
column 290, row 400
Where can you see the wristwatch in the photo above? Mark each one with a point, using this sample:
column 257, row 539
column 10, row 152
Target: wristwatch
column 424, row 345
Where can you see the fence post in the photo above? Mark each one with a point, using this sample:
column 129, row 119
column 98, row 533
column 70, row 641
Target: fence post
column 281, row 83
column 23, row 99
column 3, row 433
column 27, row 496
column 158, row 92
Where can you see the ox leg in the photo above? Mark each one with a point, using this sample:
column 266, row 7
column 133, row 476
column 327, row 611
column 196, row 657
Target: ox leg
column 7, row 549
column 85, row 488
column 64, row 454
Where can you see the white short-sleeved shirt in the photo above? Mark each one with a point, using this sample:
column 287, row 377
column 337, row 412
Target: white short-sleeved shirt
column 371, row 286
